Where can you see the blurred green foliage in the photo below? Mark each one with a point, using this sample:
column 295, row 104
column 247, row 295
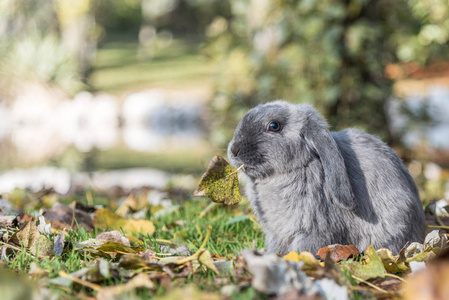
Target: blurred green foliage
column 30, row 47
column 331, row 53
column 121, row 16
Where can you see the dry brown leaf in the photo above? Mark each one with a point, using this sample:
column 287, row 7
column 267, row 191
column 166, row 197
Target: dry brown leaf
column 62, row 216
column 113, row 236
column 338, row 252
column 27, row 235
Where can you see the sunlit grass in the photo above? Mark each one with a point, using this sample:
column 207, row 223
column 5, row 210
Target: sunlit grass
column 119, row 69
column 226, row 240
column 191, row 162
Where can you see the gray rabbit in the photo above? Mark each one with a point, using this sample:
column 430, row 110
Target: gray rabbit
column 310, row 187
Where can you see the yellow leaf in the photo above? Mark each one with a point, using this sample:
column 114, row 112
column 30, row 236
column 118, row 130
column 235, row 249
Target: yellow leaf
column 105, row 219
column 220, row 183
column 372, row 268
column 206, row 260
column 390, row 262
column 310, row 262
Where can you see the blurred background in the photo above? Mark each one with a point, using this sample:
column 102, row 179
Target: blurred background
column 129, row 92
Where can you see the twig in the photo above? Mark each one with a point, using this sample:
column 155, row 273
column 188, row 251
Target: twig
column 162, row 241
column 199, row 231
column 200, row 250
column 438, row 227
column 11, row 246
column 91, row 285
column 396, row 276
column 207, row 209
column 238, row 169
column 370, row 284
column 16, row 248
column 368, row 289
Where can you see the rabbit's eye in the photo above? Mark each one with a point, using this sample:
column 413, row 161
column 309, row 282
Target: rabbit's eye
column 274, row 126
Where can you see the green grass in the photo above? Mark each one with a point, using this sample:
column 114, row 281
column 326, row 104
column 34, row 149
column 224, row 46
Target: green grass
column 118, row 69
column 193, row 161
column 225, row 241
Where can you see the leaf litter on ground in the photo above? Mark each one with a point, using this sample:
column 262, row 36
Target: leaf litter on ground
column 119, row 256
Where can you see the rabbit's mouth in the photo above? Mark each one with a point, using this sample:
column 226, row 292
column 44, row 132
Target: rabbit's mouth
column 247, row 169
column 251, row 171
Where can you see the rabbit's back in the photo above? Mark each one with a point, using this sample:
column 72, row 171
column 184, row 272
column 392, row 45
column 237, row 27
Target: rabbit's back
column 388, row 206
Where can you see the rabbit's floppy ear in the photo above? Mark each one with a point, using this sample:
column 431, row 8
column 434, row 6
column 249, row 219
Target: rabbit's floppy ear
column 320, row 140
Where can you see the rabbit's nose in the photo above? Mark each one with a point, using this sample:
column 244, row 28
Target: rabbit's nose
column 235, row 150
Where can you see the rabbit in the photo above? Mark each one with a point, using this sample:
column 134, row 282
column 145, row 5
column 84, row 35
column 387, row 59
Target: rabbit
column 310, row 187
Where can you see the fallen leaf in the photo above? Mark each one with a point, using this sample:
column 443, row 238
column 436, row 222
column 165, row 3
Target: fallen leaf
column 171, row 260
column 310, row 262
column 62, row 216
column 43, row 227
column 133, row 203
column 224, row 267
column 94, row 273
column 144, row 259
column 94, row 243
column 413, row 249
column 42, row 247
column 105, row 219
column 220, row 183
column 274, row 275
column 371, row 267
column 391, row 263
column 59, row 243
column 180, row 251
column 7, row 221
column 425, row 256
column 338, row 252
column 113, row 236
column 206, row 260
column 27, row 235
column 114, row 247
column 107, row 249
column 435, row 239
column 139, row 281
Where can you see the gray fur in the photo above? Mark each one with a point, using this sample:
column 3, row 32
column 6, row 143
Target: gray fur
column 310, row 187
